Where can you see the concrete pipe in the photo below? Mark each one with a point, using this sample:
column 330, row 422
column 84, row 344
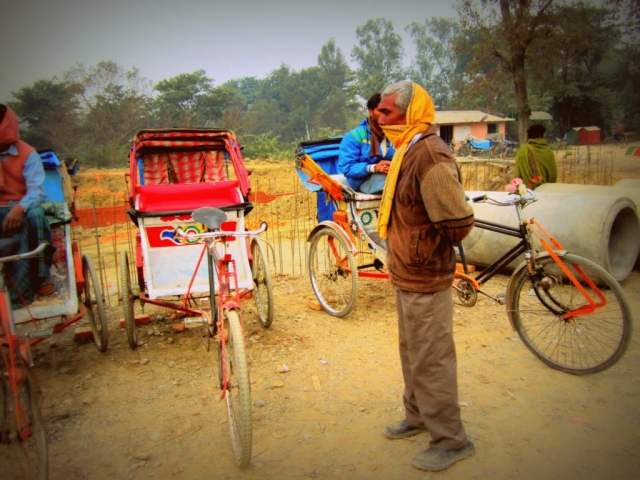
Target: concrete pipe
column 628, row 183
column 622, row 189
column 602, row 228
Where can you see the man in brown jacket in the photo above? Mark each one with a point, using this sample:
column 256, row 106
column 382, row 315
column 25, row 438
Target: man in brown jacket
column 423, row 214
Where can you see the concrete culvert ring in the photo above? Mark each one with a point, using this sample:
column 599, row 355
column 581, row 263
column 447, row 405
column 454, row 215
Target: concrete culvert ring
column 623, row 242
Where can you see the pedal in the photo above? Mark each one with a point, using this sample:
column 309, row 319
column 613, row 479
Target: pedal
column 502, row 298
column 194, row 322
column 41, row 333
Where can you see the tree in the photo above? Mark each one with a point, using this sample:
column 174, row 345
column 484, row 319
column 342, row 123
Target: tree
column 184, row 100
column 436, row 66
column 49, row 110
column 576, row 68
column 338, row 106
column 379, row 55
column 114, row 103
column 506, row 31
column 334, row 67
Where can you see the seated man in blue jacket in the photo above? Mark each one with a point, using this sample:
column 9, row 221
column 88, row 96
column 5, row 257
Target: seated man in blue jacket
column 365, row 153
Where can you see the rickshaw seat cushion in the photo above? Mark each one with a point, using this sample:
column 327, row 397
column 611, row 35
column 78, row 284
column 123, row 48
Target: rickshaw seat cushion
column 187, row 196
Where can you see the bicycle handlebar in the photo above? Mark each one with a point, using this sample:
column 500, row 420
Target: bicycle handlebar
column 518, row 200
column 22, row 256
column 221, row 233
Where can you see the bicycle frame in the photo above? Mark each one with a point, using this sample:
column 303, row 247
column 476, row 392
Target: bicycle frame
column 15, row 345
column 551, row 246
column 229, row 298
column 229, row 293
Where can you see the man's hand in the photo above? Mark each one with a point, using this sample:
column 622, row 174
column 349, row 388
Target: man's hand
column 382, row 166
column 13, row 219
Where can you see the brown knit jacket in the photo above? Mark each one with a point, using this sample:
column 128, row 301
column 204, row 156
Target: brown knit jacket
column 429, row 214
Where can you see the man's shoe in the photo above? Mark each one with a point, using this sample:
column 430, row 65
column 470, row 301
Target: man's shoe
column 402, row 430
column 436, row 459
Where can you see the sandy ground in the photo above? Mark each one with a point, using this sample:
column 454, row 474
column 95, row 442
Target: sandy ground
column 155, row 412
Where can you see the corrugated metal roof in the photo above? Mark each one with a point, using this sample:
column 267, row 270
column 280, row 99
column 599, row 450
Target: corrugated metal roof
column 468, row 116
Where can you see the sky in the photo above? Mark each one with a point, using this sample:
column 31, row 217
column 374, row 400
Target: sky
column 40, row 39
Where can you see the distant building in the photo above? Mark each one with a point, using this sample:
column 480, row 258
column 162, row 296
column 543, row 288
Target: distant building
column 456, row 126
column 583, row 136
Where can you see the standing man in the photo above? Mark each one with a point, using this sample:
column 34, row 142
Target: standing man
column 365, row 153
column 423, row 214
column 535, row 161
column 21, row 215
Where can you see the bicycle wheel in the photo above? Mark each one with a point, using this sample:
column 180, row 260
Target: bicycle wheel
column 583, row 344
column 127, row 297
column 238, row 395
column 94, row 304
column 333, row 273
column 23, row 440
column 262, row 285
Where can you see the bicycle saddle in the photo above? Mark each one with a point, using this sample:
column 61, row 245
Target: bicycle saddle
column 8, row 246
column 211, row 217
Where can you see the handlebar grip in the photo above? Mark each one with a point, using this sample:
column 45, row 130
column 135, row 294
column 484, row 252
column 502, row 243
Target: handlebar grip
column 479, row 199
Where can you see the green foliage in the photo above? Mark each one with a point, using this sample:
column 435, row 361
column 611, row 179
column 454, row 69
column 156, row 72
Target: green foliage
column 265, row 145
column 379, row 55
column 115, row 104
column 436, row 66
column 50, row 111
column 185, row 100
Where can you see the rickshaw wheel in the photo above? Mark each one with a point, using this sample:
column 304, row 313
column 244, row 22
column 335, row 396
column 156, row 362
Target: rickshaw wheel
column 127, row 297
column 238, row 394
column 94, row 304
column 333, row 273
column 262, row 285
column 28, row 457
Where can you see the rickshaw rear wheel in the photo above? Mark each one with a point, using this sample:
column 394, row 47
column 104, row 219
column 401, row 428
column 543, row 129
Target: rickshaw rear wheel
column 238, row 394
column 333, row 273
column 94, row 304
column 127, row 297
column 262, row 284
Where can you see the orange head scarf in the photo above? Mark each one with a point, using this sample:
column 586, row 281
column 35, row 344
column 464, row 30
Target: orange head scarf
column 9, row 129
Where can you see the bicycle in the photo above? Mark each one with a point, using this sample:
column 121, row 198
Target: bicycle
column 23, row 440
column 569, row 311
column 225, row 321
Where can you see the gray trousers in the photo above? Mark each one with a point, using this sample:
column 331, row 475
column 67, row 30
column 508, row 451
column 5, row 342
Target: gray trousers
column 428, row 357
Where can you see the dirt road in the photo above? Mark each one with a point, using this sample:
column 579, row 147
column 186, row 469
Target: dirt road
column 155, row 412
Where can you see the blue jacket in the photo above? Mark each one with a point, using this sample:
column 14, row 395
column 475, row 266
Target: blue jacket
column 353, row 158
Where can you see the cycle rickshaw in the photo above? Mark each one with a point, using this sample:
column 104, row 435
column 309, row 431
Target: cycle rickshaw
column 77, row 295
column 569, row 311
column 188, row 196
